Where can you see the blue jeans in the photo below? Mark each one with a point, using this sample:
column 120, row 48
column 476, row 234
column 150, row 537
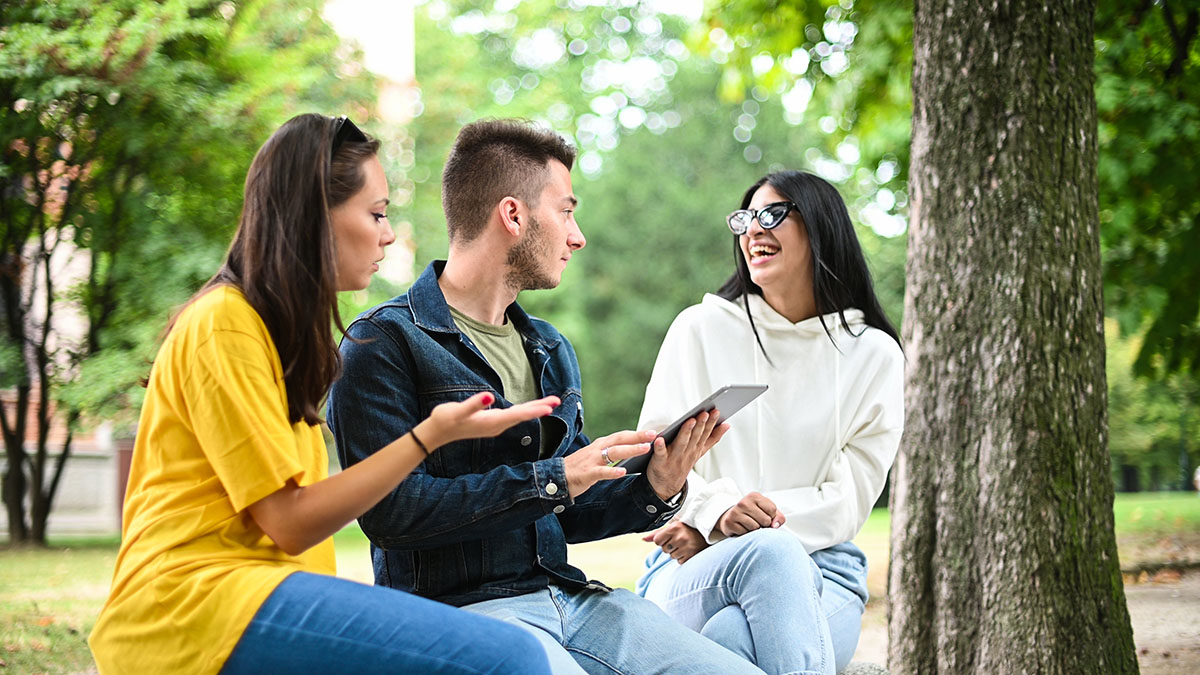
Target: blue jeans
column 604, row 632
column 313, row 623
column 762, row 596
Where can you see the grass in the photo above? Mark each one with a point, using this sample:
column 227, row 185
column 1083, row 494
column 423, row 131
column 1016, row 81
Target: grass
column 1156, row 513
column 1156, row 529
column 49, row 598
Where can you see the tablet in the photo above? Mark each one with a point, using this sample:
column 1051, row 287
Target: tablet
column 728, row 400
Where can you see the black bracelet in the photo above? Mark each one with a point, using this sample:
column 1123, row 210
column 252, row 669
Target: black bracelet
column 413, row 433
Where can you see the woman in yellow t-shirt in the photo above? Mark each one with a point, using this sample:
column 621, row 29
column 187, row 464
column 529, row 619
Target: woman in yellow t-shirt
column 226, row 560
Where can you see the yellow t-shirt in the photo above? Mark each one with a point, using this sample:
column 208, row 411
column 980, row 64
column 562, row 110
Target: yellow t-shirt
column 213, row 438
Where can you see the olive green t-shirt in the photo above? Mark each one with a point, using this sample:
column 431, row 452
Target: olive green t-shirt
column 504, row 349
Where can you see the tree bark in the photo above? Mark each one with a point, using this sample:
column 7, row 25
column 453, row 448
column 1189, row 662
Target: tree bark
column 15, row 484
column 1003, row 553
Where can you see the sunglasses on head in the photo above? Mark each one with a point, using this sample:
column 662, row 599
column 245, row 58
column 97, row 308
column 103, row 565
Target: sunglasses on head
column 769, row 217
column 344, row 130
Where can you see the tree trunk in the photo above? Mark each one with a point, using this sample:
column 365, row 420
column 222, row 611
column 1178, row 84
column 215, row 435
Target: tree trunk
column 1003, row 554
column 43, row 499
column 15, row 484
column 14, row 496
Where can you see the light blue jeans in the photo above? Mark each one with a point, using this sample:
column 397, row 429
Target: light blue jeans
column 312, row 623
column 604, row 632
column 763, row 597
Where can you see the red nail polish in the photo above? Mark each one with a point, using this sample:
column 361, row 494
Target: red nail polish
column 487, row 399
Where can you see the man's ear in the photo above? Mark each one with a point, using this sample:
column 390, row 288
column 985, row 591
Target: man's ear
column 509, row 209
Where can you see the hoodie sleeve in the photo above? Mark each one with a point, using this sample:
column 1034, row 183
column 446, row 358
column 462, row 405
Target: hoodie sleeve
column 835, row 510
column 678, row 383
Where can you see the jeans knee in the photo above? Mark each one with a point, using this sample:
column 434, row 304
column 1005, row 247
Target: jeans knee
column 777, row 551
column 777, row 544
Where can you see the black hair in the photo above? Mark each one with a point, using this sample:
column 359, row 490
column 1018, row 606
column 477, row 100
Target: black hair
column 841, row 279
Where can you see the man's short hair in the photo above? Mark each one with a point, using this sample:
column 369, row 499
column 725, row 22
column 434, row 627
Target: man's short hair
column 493, row 159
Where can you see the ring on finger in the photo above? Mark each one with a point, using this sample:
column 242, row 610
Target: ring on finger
column 669, row 548
column 604, row 455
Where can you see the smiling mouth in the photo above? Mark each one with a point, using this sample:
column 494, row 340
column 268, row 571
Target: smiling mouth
column 763, row 252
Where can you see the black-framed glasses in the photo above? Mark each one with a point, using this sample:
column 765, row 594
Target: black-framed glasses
column 344, row 130
column 769, row 217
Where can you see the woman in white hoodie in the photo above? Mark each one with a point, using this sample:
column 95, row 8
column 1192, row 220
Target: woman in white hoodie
column 760, row 557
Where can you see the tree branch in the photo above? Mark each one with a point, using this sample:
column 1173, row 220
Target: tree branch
column 1181, row 39
column 1139, row 13
column 52, row 489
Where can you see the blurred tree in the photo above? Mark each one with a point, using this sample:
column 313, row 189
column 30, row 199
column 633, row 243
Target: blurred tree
column 655, row 225
column 1152, row 421
column 842, row 66
column 662, row 159
column 1148, row 100
column 608, row 76
column 852, row 59
column 126, row 128
column 839, row 72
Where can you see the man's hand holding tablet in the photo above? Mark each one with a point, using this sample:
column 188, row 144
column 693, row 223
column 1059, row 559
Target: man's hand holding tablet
column 724, row 402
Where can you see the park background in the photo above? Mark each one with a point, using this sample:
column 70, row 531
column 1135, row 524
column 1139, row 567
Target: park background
column 127, row 128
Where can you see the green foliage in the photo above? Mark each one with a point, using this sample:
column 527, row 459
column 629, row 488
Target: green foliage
column 1152, row 421
column 662, row 159
column 1148, row 104
column 126, row 129
column 1147, row 88
column 656, row 246
column 843, row 67
column 160, row 107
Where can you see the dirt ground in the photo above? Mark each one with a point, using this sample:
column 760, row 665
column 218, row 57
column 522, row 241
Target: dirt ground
column 1166, row 623
column 1164, row 609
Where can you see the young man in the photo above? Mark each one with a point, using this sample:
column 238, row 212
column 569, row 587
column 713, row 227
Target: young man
column 483, row 524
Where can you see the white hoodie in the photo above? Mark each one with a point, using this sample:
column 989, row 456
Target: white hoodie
column 818, row 443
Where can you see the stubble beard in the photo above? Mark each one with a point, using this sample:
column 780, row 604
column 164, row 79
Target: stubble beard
column 525, row 260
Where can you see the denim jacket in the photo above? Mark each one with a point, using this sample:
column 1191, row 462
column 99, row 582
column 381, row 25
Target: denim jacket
column 480, row 518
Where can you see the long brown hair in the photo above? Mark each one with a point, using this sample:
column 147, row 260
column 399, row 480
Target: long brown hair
column 282, row 256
